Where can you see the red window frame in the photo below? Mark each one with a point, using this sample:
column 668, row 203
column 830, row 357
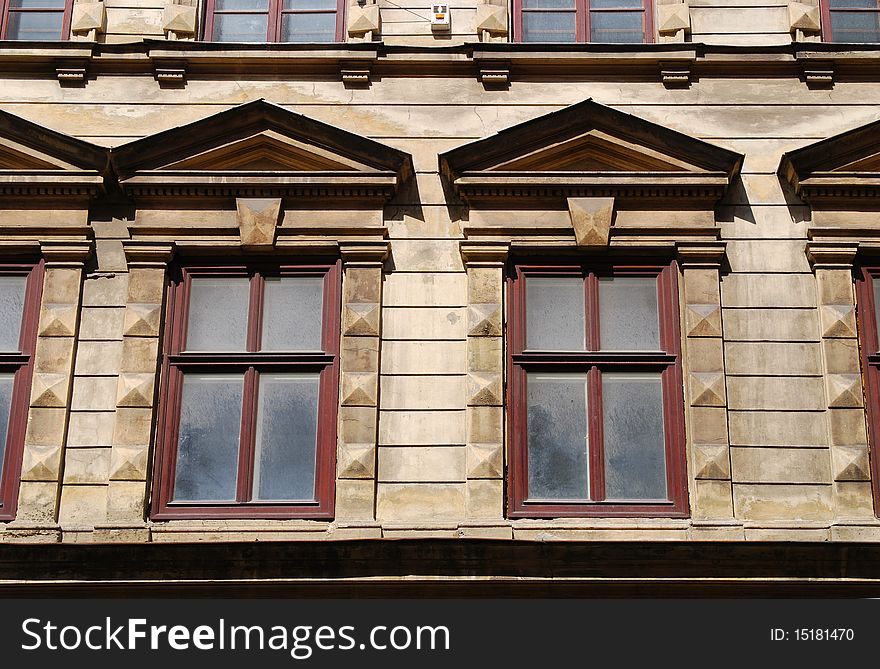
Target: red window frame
column 6, row 10
column 582, row 19
column 826, row 11
column 870, row 355
column 21, row 363
column 176, row 361
column 274, row 24
column 667, row 361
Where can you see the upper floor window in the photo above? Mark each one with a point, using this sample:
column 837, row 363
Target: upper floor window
column 596, row 398
column 851, row 20
column 275, row 21
column 20, row 288
column 38, row 20
column 249, row 393
column 583, row 21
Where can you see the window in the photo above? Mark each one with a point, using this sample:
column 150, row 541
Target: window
column 275, row 21
column 20, row 288
column 596, row 426
column 583, row 21
column 851, row 20
column 37, row 20
column 868, row 298
column 250, row 392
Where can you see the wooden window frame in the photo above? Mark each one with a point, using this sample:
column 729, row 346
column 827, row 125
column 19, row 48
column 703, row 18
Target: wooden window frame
column 870, row 357
column 6, row 10
column 582, row 19
column 668, row 361
column 176, row 361
column 274, row 24
column 22, row 365
column 826, row 10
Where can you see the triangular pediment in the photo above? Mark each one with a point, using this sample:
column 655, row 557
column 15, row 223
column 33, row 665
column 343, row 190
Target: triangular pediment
column 846, row 165
column 589, row 138
column 27, row 147
column 258, row 137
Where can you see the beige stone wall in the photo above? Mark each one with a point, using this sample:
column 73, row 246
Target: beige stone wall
column 777, row 424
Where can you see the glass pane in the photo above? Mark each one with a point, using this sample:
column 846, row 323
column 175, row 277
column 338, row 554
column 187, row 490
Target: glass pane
column 855, row 26
column 308, row 27
column 6, row 381
column 218, row 314
column 617, row 27
column 548, row 26
column 548, row 4
column 233, row 5
column 310, row 4
column 635, row 459
column 292, row 308
column 558, row 460
column 207, row 446
column 854, row 4
column 34, row 25
column 11, row 307
column 287, row 430
column 616, row 4
column 555, row 313
column 628, row 313
column 241, row 27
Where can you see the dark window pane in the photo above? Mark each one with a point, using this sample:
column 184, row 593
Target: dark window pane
column 616, row 4
column 218, row 314
column 628, row 317
column 207, row 447
column 557, row 418
column 11, row 306
column 617, row 27
column 6, row 382
column 233, row 5
column 241, row 27
column 35, row 25
column 555, row 313
column 287, row 428
column 308, row 27
column 37, row 4
column 310, row 4
column 855, row 26
column 548, row 4
column 292, row 314
column 855, row 4
column 548, row 26
column 635, row 459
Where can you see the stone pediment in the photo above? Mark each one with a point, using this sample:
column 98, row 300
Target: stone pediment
column 836, row 170
column 590, row 150
column 260, row 149
column 38, row 161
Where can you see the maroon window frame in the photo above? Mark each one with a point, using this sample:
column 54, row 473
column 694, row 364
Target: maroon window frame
column 275, row 12
column 827, row 11
column 593, row 361
column 21, row 364
column 7, row 10
column 583, row 28
column 252, row 362
column 870, row 354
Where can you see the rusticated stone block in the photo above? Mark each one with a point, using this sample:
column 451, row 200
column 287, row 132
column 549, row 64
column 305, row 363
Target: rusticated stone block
column 359, row 389
column 485, row 389
column 41, row 463
column 711, row 461
column 402, row 502
column 135, row 390
column 92, row 393
column 36, row 501
column 705, row 355
column 853, row 500
column 837, row 320
column 673, row 17
column 835, row 286
column 485, row 424
column 45, row 426
column 706, row 388
column 708, row 425
column 86, row 465
column 485, row 460
column 140, row 354
column 132, row 427
column 484, row 285
column 355, row 499
column 847, row 427
column 485, row 354
column 422, row 428
column 61, row 285
column 57, row 320
column 146, row 285
column 100, row 323
column 841, row 356
column 712, row 499
column 361, row 319
column 128, row 503
column 701, row 286
column 357, row 425
column 850, row 463
column 492, row 19
column 844, row 390
column 97, row 358
column 356, row 461
column 703, row 320
column 485, row 498
column 484, row 320
column 128, row 463
column 142, row 320
column 90, row 428
column 591, row 219
column 105, row 291
column 421, row 463
column 360, row 354
column 764, row 501
column 49, row 390
column 54, row 355
column 363, row 19
column 84, row 505
column 257, row 220
column 179, row 19
column 362, row 285
column 88, row 16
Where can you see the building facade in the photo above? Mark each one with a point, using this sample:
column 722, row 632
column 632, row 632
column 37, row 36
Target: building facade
column 561, row 296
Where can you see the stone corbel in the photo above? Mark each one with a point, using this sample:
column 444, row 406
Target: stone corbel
column 676, row 74
column 494, row 74
column 87, row 21
column 818, row 74
column 804, row 22
column 674, row 21
column 179, row 21
column 490, row 22
column 72, row 71
column 364, row 20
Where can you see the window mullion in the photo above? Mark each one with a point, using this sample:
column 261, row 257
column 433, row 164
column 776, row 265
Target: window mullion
column 247, row 445
column 596, row 432
column 583, row 24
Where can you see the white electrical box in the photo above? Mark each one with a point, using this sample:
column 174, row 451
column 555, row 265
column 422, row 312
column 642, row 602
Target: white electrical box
column 440, row 17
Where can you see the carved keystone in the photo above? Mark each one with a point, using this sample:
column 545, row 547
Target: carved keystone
column 591, row 219
column 672, row 18
column 257, row 220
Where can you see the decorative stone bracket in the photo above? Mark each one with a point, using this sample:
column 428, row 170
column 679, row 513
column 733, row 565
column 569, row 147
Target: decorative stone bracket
column 179, row 21
column 591, row 219
column 674, row 21
column 87, row 20
column 490, row 21
column 364, row 20
column 804, row 20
